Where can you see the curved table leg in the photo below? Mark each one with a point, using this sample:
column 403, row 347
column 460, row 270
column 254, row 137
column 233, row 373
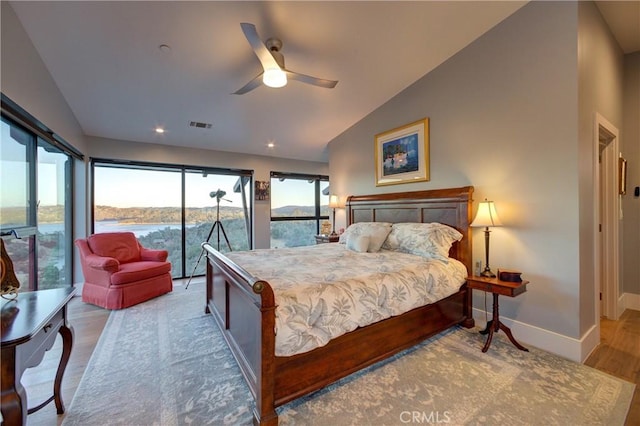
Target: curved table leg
column 14, row 396
column 507, row 331
column 67, row 343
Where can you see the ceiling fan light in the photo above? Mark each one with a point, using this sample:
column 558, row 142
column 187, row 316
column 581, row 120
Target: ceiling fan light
column 274, row 77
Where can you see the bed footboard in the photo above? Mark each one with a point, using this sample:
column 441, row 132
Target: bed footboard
column 244, row 309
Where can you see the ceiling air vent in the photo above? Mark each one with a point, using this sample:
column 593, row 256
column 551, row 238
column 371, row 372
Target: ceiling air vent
column 199, row 125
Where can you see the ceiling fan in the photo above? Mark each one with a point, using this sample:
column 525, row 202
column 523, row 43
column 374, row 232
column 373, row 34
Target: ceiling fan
column 274, row 73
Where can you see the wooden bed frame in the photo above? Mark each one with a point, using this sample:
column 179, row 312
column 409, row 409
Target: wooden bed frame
column 243, row 306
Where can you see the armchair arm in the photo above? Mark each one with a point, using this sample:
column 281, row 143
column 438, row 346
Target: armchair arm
column 153, row 255
column 103, row 263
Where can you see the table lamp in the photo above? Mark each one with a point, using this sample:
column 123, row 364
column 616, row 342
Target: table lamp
column 334, row 203
column 486, row 216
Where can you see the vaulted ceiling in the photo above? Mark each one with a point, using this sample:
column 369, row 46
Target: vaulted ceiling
column 126, row 68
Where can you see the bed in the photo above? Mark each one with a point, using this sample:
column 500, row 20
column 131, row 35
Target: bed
column 244, row 308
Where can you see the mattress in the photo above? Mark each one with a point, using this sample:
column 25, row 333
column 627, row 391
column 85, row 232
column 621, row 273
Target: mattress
column 327, row 290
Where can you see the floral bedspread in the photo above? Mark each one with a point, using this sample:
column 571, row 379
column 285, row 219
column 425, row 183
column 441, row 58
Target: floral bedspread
column 326, row 290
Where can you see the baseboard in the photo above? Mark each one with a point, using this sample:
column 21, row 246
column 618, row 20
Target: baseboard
column 629, row 301
column 567, row 347
column 78, row 287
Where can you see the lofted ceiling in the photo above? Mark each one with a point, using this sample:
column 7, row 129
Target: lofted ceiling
column 107, row 60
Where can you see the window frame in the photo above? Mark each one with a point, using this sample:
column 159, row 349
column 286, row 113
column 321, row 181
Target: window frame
column 302, row 176
column 183, row 169
column 14, row 115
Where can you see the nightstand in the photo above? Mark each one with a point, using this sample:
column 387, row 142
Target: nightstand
column 497, row 287
column 321, row 239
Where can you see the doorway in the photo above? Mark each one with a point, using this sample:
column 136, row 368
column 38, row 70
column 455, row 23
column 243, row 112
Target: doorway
column 607, row 219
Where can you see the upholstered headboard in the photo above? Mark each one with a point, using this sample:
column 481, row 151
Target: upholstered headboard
column 450, row 206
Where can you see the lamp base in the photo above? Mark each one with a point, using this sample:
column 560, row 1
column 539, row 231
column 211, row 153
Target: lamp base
column 487, row 273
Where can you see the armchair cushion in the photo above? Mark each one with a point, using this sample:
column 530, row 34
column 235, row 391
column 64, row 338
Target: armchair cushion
column 122, row 246
column 138, row 271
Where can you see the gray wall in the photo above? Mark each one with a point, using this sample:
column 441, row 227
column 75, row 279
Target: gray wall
column 26, row 80
column 505, row 119
column 600, row 72
column 630, row 142
column 261, row 165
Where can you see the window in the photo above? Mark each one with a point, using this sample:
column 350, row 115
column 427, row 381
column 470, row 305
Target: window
column 298, row 204
column 36, row 175
column 174, row 208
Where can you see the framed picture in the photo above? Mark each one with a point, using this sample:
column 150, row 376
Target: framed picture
column 622, row 176
column 325, row 228
column 402, row 154
column 262, row 190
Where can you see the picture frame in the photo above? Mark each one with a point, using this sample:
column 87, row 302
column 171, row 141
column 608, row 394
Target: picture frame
column 402, row 154
column 262, row 190
column 622, row 176
column 325, row 228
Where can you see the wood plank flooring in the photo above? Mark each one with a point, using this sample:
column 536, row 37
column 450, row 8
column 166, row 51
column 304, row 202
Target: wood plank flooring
column 618, row 355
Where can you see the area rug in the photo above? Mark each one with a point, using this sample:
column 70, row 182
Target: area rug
column 165, row 363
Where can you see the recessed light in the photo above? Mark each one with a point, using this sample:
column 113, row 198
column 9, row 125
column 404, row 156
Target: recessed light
column 159, row 130
column 165, row 48
column 271, row 145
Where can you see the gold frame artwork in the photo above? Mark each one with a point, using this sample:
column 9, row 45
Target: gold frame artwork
column 402, row 154
column 622, row 176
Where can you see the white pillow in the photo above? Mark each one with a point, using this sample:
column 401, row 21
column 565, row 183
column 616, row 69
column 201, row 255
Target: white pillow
column 359, row 243
column 430, row 240
column 376, row 231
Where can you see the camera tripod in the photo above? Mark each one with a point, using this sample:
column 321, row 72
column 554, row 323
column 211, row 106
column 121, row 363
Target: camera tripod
column 217, row 225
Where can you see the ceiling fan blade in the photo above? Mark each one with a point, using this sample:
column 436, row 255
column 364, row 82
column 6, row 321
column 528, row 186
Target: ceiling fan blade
column 321, row 82
column 266, row 58
column 257, row 81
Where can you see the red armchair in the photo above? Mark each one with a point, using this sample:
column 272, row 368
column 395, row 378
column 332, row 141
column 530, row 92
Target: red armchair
column 119, row 272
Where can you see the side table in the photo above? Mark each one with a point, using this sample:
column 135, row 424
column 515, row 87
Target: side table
column 320, row 239
column 30, row 325
column 497, row 287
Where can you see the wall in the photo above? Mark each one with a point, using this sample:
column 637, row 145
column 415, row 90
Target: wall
column 504, row 119
column 26, row 80
column 261, row 165
column 600, row 75
column 630, row 203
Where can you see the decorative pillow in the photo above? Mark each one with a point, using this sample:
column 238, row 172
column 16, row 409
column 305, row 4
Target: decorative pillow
column 122, row 246
column 359, row 243
column 430, row 240
column 376, row 231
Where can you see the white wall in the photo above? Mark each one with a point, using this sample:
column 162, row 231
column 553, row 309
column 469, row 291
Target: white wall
column 505, row 119
column 261, row 165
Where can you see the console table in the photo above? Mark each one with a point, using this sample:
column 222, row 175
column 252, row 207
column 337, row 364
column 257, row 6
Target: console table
column 30, row 325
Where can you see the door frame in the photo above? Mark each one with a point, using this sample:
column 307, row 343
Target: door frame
column 606, row 219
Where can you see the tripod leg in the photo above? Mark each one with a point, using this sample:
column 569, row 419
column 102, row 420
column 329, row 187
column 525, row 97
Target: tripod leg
column 225, row 237
column 201, row 254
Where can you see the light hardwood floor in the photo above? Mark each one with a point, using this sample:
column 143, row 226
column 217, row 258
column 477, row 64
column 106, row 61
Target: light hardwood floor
column 618, row 355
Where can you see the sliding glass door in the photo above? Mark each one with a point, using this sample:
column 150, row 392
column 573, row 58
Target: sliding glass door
column 174, row 208
column 35, row 207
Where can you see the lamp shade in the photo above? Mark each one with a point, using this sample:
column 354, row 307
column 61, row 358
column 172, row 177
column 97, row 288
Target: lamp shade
column 334, row 202
column 486, row 215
